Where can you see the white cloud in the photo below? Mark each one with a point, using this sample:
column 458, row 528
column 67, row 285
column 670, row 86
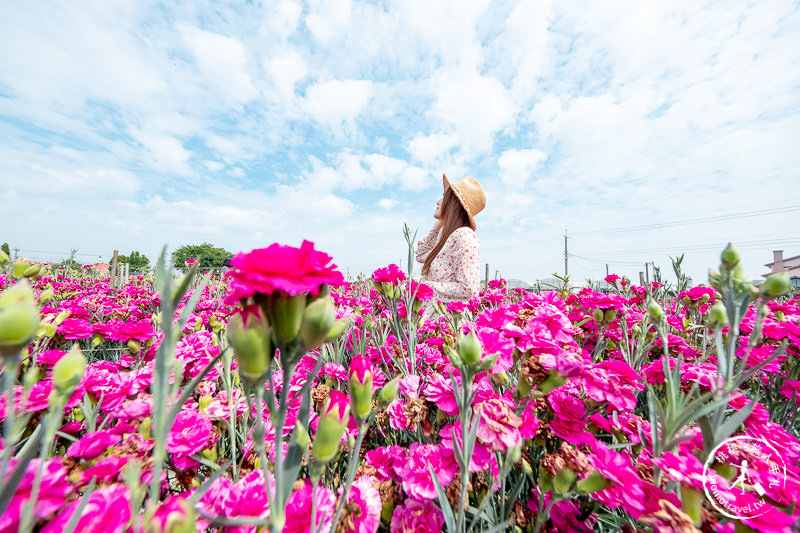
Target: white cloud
column 476, row 106
column 336, row 101
column 223, row 62
column 387, row 203
column 328, row 18
column 518, row 165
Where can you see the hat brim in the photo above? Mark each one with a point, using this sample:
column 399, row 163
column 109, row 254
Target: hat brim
column 447, row 185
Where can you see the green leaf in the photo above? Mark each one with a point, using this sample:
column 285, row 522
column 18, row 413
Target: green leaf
column 447, row 511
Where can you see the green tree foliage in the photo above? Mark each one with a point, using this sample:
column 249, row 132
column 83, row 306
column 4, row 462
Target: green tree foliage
column 209, row 256
column 6, row 249
column 138, row 262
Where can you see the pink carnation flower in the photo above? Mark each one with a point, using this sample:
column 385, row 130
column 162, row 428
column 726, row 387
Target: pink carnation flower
column 390, row 274
column 417, row 517
column 298, row 510
column 53, row 490
column 284, row 268
column 93, row 444
column 367, row 517
column 108, row 509
column 189, row 433
column 499, row 426
column 416, row 476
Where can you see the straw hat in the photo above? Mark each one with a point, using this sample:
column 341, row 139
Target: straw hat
column 470, row 193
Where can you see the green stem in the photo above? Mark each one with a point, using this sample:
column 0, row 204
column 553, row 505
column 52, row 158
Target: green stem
column 258, row 441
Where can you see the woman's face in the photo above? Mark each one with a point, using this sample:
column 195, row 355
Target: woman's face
column 438, row 213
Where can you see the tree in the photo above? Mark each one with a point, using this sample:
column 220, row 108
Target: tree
column 209, row 256
column 6, row 249
column 139, row 263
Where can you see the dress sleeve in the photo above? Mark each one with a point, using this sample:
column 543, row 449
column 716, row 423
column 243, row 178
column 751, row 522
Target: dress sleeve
column 426, row 244
column 466, row 257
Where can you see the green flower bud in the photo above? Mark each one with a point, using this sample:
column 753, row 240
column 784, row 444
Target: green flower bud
column 692, row 503
column 453, row 356
column 704, row 299
column 301, row 434
column 654, row 310
column 738, row 273
column 332, row 423
column 563, row 481
column 249, row 336
column 32, row 271
column 488, row 362
column 469, row 348
column 389, row 391
column 339, row 326
column 609, row 315
column 19, row 318
column 286, row 313
column 730, row 257
column 19, row 267
column 317, row 322
column 598, row 315
column 718, row 314
column 69, row 370
column 593, row 483
column 46, row 296
column 134, row 346
column 775, row 285
column 552, row 382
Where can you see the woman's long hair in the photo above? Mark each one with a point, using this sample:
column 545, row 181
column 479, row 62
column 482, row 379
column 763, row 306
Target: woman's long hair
column 454, row 216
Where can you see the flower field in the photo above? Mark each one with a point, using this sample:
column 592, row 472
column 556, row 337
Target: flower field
column 279, row 397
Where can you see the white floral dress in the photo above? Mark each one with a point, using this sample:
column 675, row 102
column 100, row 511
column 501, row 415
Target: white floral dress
column 455, row 271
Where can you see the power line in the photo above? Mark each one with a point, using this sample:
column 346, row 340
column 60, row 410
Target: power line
column 57, row 253
column 731, row 216
column 680, row 248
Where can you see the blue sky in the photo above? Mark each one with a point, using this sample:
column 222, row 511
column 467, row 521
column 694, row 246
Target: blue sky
column 131, row 125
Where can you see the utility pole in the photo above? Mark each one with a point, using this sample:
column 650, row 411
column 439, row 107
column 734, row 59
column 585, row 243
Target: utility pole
column 606, row 269
column 16, row 253
column 487, row 276
column 566, row 256
column 647, row 272
column 114, row 259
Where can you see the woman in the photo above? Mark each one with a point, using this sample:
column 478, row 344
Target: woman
column 450, row 254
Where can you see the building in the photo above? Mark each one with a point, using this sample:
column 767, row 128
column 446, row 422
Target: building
column 790, row 264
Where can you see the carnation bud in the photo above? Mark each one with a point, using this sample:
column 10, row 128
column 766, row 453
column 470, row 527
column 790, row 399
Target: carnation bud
column 19, row 318
column 598, row 315
column 705, row 298
column 317, row 322
column 730, row 257
column 301, row 434
column 610, row 315
column 453, row 356
column 46, row 296
column 19, row 267
column 68, row 371
column 692, row 503
column 332, row 423
column 775, row 285
column 593, row 483
column 134, row 346
column 339, row 326
column 469, row 348
column 96, row 340
column 488, row 362
column 389, row 391
column 654, row 310
column 249, row 336
column 563, row 481
column 738, row 273
column 552, row 382
column 360, row 379
column 286, row 312
column 32, row 271
column 718, row 314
